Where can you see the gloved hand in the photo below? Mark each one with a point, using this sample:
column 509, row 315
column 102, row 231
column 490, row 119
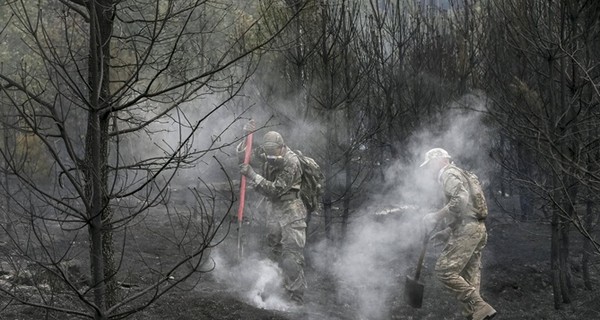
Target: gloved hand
column 250, row 126
column 254, row 177
column 247, row 170
column 430, row 221
column 441, row 237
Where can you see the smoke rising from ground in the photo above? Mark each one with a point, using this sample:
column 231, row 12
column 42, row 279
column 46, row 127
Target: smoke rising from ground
column 370, row 266
column 257, row 280
column 381, row 249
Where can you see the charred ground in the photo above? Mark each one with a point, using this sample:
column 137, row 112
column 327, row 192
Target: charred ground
column 515, row 279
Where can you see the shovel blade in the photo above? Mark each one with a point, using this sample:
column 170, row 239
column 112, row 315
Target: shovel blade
column 413, row 292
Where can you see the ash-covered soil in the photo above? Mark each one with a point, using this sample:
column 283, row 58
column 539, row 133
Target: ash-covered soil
column 515, row 280
column 364, row 278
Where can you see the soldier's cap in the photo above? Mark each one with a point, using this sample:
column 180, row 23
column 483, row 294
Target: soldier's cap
column 272, row 140
column 435, row 153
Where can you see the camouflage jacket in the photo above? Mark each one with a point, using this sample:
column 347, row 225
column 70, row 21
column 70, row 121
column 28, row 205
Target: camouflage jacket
column 456, row 194
column 281, row 185
column 279, row 181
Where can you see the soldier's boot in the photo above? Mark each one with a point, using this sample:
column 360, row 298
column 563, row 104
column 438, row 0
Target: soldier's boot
column 482, row 310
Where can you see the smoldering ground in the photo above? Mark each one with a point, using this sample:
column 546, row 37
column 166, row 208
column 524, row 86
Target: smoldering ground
column 375, row 239
column 380, row 249
column 257, row 281
column 384, row 238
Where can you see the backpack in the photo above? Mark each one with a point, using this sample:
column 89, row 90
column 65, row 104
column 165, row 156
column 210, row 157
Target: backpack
column 476, row 193
column 313, row 183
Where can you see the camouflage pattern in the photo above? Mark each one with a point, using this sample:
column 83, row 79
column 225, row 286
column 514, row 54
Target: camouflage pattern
column 286, row 215
column 459, row 265
column 282, row 177
column 286, row 238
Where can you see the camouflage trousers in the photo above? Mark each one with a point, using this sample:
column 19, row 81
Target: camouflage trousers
column 286, row 240
column 459, row 265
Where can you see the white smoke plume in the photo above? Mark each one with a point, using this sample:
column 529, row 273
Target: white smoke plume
column 379, row 249
column 385, row 237
column 257, row 281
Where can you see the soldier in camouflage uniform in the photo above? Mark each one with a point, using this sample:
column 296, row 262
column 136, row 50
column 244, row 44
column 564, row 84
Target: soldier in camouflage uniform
column 459, row 265
column 280, row 184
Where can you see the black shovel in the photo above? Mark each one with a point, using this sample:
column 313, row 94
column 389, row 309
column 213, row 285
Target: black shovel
column 413, row 291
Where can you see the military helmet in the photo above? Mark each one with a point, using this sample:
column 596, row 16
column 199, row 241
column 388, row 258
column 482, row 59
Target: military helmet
column 435, row 153
column 272, row 140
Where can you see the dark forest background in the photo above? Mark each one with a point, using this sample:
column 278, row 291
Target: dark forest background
column 111, row 108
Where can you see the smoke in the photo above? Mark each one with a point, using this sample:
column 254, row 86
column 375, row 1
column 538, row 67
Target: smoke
column 257, row 281
column 379, row 249
column 384, row 235
column 206, row 129
column 383, row 240
column 366, row 269
column 461, row 132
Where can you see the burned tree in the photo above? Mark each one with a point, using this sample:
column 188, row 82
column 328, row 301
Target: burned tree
column 98, row 80
column 546, row 103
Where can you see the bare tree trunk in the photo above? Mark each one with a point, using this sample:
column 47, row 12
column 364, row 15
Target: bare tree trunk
column 348, row 178
column 587, row 247
column 95, row 207
column 330, row 115
column 96, row 158
column 328, row 192
column 565, row 281
column 347, row 196
column 502, row 170
column 5, row 217
column 554, row 259
column 569, row 129
column 524, row 169
column 349, row 127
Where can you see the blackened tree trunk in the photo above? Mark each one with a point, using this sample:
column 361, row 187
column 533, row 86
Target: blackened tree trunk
column 524, row 170
column 96, row 158
column 7, row 223
column 565, row 275
column 587, row 246
column 328, row 192
column 555, row 259
column 87, row 78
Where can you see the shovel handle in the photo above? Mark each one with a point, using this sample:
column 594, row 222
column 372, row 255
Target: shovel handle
column 247, row 155
column 421, row 256
column 240, row 213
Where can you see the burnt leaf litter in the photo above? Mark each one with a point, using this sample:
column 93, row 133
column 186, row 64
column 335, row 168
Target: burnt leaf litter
column 515, row 280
